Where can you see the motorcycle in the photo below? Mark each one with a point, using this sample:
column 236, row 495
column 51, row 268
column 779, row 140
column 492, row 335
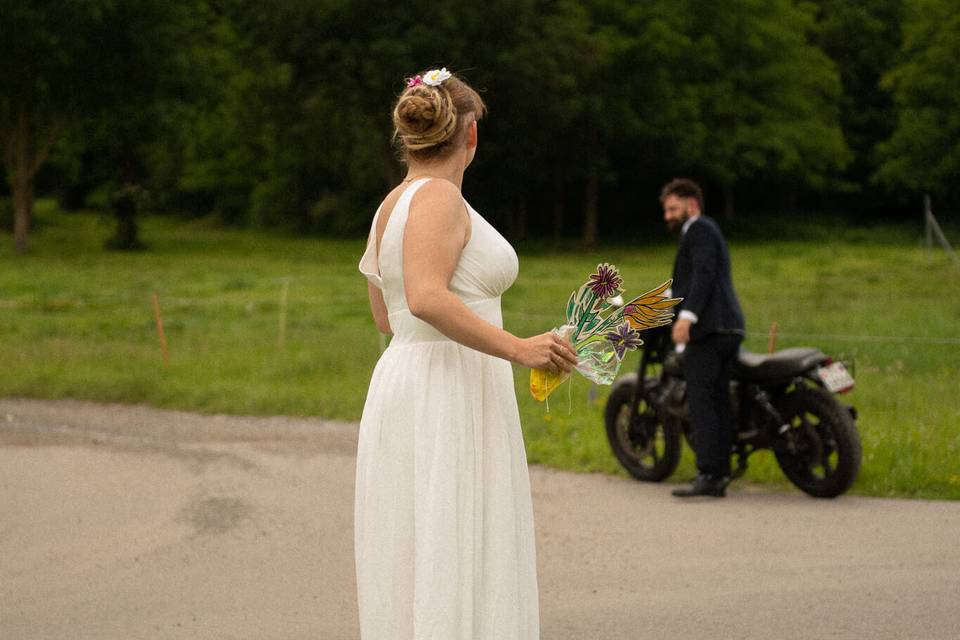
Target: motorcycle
column 785, row 401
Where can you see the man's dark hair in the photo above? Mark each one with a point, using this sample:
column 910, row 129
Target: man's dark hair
column 683, row 188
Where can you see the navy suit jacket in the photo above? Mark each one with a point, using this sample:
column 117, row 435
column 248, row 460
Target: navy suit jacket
column 701, row 276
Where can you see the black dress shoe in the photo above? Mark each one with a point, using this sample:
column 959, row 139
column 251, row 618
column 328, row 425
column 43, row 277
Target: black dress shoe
column 705, row 485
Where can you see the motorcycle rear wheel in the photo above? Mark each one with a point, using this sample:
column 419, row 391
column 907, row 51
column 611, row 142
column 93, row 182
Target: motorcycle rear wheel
column 645, row 446
column 820, row 452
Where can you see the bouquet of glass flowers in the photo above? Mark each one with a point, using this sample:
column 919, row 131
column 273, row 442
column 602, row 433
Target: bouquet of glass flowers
column 602, row 328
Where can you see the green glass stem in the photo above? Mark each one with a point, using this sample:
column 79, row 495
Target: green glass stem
column 584, row 318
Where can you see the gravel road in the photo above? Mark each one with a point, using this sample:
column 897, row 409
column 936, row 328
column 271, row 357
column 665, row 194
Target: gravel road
column 125, row 522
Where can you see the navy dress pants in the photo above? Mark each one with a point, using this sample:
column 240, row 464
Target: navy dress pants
column 707, row 366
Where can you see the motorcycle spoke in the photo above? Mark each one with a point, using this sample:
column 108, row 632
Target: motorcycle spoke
column 812, row 455
column 823, row 456
column 646, row 450
column 829, row 458
column 653, row 451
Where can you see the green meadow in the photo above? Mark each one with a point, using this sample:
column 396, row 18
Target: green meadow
column 77, row 321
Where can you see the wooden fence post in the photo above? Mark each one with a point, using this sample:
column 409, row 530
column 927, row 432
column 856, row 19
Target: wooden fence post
column 282, row 321
column 163, row 337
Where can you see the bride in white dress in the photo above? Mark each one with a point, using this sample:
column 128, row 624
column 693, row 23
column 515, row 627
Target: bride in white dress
column 443, row 519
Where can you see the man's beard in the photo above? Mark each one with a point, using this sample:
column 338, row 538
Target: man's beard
column 676, row 226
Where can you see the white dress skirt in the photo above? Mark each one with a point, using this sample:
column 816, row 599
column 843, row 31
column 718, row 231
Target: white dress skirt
column 444, row 535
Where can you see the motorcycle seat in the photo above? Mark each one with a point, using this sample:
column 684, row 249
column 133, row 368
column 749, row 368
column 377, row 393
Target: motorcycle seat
column 780, row 364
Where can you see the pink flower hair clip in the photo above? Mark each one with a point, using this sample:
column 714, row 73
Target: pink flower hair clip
column 432, row 78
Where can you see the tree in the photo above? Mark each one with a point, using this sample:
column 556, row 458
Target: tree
column 767, row 98
column 923, row 154
column 863, row 40
column 284, row 119
column 295, row 130
column 65, row 62
column 583, row 84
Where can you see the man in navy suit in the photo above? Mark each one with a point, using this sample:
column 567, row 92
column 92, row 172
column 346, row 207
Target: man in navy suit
column 710, row 327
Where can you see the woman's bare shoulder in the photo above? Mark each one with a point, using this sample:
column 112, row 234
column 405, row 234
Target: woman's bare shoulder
column 437, row 191
column 439, row 200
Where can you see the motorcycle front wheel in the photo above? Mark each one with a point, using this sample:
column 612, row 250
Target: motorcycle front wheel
column 820, row 450
column 645, row 446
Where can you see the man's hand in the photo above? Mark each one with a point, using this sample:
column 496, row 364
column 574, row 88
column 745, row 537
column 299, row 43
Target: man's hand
column 681, row 331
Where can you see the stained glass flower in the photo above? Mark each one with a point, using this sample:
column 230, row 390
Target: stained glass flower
column 606, row 281
column 651, row 309
column 624, row 339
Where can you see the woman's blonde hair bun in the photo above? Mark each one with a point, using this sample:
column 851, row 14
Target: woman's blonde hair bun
column 425, row 116
column 429, row 119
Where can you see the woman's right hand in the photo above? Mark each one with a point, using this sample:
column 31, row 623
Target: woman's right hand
column 547, row 351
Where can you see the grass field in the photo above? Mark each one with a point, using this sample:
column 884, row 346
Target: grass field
column 76, row 321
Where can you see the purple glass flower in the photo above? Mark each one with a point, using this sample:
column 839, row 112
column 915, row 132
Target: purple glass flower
column 624, row 339
column 606, row 281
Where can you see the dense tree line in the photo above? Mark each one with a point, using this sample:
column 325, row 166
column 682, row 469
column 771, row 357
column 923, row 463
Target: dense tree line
column 277, row 114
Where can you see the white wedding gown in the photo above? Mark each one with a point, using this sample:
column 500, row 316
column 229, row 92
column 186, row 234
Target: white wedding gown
column 443, row 522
